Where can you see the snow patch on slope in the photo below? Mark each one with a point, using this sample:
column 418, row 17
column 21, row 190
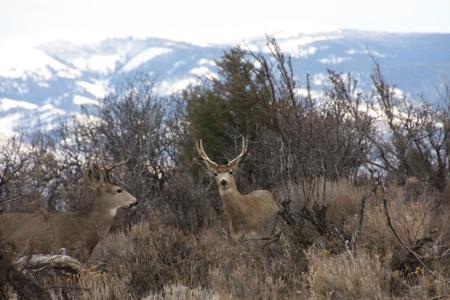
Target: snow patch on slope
column 144, row 57
column 8, row 125
column 306, row 52
column 333, row 59
column 372, row 52
column 81, row 100
column 297, row 46
column 203, row 72
column 28, row 117
column 207, row 62
column 18, row 61
column 103, row 64
column 97, row 89
column 168, row 87
column 8, row 104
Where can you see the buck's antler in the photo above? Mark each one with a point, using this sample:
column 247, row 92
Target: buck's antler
column 98, row 171
column 93, row 173
column 234, row 162
column 203, row 154
column 107, row 169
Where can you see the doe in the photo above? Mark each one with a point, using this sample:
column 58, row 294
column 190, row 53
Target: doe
column 75, row 232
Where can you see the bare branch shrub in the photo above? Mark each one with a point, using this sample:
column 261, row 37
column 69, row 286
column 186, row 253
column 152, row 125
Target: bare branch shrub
column 13, row 162
column 417, row 137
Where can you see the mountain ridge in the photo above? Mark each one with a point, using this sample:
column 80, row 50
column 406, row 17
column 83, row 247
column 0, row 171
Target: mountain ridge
column 56, row 77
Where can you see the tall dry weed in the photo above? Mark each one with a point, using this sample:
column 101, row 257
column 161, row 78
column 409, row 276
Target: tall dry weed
column 342, row 276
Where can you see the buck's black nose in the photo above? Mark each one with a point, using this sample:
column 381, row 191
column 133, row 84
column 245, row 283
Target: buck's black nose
column 223, row 182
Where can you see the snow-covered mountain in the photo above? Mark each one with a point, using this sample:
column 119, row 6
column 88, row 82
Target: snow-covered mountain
column 44, row 83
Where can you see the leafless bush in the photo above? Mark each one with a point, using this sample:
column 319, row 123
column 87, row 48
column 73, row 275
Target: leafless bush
column 31, row 175
column 13, row 162
column 129, row 126
column 417, row 143
column 188, row 205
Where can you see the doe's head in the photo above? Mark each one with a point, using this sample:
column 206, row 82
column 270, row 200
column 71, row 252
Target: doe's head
column 98, row 177
column 222, row 173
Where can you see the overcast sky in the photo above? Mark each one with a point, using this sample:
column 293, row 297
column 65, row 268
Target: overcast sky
column 211, row 21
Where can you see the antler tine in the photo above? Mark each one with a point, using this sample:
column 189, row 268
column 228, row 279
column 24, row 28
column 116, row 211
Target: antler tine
column 236, row 160
column 105, row 170
column 115, row 165
column 93, row 173
column 87, row 170
column 102, row 165
column 203, row 154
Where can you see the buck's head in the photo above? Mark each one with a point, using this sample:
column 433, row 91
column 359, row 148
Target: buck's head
column 112, row 196
column 222, row 173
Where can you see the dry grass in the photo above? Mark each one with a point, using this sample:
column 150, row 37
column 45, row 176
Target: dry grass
column 160, row 257
column 157, row 260
column 175, row 292
column 344, row 276
column 412, row 221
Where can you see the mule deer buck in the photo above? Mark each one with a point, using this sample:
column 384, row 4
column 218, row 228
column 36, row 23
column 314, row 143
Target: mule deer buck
column 250, row 217
column 47, row 233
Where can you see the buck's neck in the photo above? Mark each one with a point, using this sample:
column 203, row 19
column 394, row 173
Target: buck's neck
column 230, row 195
column 230, row 189
column 101, row 216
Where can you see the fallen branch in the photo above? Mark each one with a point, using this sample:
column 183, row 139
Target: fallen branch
column 39, row 262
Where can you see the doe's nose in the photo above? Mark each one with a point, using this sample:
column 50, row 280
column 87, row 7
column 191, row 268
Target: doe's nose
column 134, row 204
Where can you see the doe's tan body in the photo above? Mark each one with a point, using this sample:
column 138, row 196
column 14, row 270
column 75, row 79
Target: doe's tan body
column 76, row 232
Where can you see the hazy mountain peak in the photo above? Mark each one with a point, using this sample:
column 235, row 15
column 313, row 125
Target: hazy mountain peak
column 66, row 75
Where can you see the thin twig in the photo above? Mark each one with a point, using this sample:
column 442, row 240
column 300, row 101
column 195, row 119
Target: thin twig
column 67, row 287
column 362, row 205
column 441, row 297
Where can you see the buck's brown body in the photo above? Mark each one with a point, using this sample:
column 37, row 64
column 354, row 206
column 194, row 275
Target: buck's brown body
column 250, row 216
column 78, row 233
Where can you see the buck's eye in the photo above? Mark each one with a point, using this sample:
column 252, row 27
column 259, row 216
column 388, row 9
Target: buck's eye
column 215, row 174
column 231, row 172
column 119, row 191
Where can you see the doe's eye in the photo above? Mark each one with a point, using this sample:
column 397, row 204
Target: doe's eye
column 119, row 191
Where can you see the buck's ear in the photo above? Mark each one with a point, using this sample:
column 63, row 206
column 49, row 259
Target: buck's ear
column 204, row 164
column 234, row 164
column 200, row 161
column 211, row 172
column 234, row 168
